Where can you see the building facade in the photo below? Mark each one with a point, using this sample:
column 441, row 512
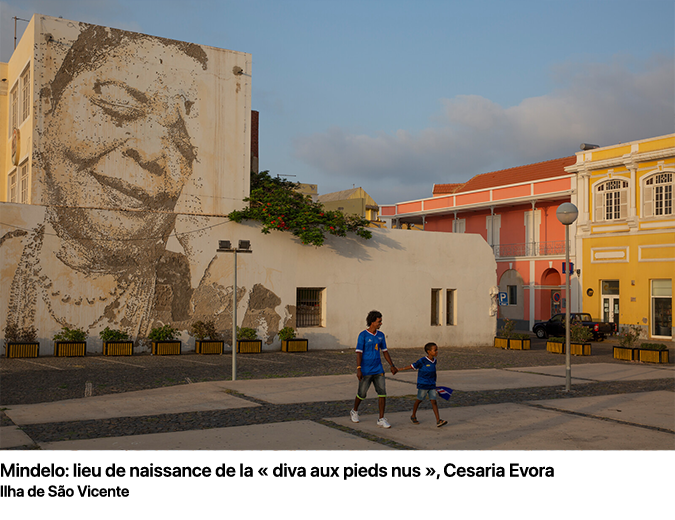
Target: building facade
column 626, row 230
column 124, row 153
column 514, row 211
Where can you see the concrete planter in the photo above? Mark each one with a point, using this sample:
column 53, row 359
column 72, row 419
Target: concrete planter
column 249, row 345
column 118, row 348
column 208, row 346
column 519, row 344
column 295, row 345
column 555, row 347
column 501, row 342
column 580, row 349
column 626, row 353
column 70, row 348
column 653, row 356
column 166, row 348
column 22, row 350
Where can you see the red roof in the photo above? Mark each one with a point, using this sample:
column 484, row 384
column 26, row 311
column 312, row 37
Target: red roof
column 527, row 173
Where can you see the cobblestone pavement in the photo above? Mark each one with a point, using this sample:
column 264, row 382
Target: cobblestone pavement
column 27, row 381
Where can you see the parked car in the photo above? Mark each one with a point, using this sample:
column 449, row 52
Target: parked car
column 556, row 326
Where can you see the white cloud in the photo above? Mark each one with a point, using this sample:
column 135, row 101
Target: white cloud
column 602, row 104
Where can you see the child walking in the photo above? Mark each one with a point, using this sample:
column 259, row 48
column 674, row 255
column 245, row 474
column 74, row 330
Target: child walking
column 426, row 382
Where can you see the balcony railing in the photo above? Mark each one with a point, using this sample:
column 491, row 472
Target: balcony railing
column 530, row 249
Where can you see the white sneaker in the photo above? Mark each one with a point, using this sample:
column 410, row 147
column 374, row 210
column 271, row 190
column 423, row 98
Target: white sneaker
column 354, row 415
column 383, row 423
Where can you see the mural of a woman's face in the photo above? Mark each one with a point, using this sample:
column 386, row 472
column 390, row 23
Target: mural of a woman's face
column 119, row 137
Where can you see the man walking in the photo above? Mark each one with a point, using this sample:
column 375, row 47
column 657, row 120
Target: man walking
column 369, row 367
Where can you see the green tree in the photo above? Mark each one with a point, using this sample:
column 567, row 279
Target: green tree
column 277, row 204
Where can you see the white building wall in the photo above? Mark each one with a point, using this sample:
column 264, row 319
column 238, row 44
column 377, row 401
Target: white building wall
column 393, row 272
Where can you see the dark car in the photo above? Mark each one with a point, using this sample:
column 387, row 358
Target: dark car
column 556, row 326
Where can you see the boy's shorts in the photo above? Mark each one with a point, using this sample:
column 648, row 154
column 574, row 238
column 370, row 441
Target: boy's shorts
column 377, row 380
column 422, row 393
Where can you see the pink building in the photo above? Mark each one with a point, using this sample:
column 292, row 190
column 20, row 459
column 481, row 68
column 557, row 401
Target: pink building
column 514, row 210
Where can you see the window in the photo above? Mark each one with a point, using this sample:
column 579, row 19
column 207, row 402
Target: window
column 12, row 187
column 13, row 109
column 450, row 307
column 25, row 94
column 662, row 308
column 24, row 183
column 435, row 306
column 611, row 200
column 309, row 307
column 658, row 195
column 512, row 291
column 459, row 225
column 493, row 224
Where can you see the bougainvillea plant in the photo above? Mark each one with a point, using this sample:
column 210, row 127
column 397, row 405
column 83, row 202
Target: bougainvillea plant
column 278, row 205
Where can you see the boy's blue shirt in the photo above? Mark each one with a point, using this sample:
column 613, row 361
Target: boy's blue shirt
column 426, row 373
column 370, row 346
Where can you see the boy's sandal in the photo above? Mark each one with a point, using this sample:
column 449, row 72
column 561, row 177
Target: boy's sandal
column 414, row 419
column 441, row 423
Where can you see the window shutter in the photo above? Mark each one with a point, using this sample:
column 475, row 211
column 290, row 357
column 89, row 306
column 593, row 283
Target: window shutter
column 599, row 207
column 648, row 201
column 624, row 204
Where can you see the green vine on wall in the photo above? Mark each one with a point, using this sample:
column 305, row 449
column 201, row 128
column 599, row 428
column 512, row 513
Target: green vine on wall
column 278, row 205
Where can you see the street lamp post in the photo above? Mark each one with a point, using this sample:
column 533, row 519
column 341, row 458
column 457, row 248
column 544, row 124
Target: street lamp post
column 567, row 213
column 224, row 246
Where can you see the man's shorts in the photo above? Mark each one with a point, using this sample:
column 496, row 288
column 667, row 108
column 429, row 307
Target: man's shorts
column 422, row 393
column 378, row 382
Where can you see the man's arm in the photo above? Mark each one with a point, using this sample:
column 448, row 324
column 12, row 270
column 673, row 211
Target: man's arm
column 391, row 363
column 359, row 355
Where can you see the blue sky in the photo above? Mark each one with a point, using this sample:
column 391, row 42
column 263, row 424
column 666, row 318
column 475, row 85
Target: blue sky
column 395, row 96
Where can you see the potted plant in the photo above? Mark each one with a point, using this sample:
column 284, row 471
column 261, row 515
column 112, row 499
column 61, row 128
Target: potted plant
column 580, row 337
column 519, row 341
column 116, row 342
column 247, row 340
column 70, row 342
column 289, row 343
column 21, row 342
column 627, row 348
column 164, row 341
column 206, row 338
column 556, row 345
column 653, row 353
column 504, row 334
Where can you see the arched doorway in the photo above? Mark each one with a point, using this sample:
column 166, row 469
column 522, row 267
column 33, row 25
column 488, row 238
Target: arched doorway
column 550, row 282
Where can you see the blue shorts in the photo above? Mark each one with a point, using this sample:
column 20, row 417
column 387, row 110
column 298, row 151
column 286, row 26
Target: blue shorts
column 377, row 380
column 422, row 393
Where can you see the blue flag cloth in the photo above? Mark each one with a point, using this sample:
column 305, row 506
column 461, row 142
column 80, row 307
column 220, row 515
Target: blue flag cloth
column 444, row 392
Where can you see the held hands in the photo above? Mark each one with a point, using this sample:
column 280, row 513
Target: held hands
column 393, row 370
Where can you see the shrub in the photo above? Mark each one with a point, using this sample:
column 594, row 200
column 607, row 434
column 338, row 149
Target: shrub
column 653, row 346
column 518, row 335
column 556, row 339
column 246, row 333
column 16, row 334
column 163, row 333
column 204, row 329
column 68, row 334
column 629, row 336
column 286, row 333
column 580, row 333
column 109, row 334
column 507, row 330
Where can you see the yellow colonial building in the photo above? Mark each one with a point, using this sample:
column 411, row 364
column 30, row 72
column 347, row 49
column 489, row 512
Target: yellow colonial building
column 626, row 232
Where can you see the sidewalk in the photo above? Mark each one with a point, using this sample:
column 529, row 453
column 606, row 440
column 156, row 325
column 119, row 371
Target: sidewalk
column 625, row 421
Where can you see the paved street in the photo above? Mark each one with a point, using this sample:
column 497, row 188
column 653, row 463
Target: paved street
column 612, row 406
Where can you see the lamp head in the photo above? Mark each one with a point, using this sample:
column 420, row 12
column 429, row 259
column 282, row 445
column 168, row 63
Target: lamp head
column 567, row 213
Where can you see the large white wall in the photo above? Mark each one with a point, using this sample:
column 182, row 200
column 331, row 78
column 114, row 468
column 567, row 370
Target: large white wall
column 394, row 272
